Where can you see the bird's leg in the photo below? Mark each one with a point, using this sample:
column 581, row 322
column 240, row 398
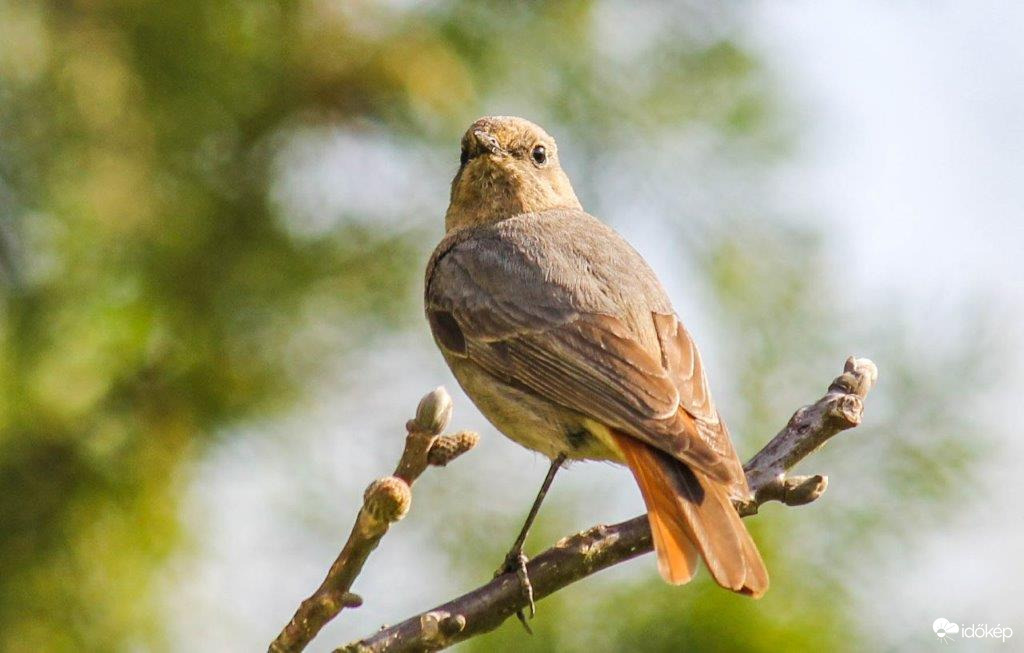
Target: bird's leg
column 515, row 561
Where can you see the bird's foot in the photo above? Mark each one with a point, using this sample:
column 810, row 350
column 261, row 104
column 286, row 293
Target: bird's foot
column 515, row 562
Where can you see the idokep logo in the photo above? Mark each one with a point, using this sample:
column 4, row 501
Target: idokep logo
column 948, row 631
column 944, row 628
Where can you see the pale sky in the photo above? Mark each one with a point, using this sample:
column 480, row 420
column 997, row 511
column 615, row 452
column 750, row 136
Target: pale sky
column 912, row 146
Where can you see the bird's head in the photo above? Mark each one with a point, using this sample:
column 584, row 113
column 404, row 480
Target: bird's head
column 508, row 166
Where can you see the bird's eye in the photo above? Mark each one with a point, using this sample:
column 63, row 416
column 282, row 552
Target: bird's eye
column 464, row 157
column 540, row 155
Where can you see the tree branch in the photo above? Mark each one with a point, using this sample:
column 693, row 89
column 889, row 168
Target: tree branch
column 597, row 548
column 385, row 501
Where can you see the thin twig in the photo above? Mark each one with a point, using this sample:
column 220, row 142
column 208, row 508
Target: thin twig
column 385, row 501
column 597, row 548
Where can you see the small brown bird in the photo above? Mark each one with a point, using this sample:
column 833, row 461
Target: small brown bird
column 564, row 338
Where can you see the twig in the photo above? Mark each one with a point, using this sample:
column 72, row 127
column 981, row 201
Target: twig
column 385, row 501
column 807, row 430
column 597, row 548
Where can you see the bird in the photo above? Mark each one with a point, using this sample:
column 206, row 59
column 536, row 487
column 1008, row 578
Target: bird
column 563, row 337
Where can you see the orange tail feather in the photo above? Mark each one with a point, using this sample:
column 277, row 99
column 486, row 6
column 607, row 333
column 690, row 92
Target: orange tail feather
column 690, row 513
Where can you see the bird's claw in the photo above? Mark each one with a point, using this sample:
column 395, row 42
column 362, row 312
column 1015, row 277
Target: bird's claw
column 515, row 562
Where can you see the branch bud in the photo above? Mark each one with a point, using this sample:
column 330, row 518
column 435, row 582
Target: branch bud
column 858, row 378
column 351, row 600
column 452, row 625
column 801, row 490
column 387, row 499
column 433, row 413
column 449, row 447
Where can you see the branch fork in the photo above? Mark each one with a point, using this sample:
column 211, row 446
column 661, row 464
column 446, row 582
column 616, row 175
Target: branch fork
column 808, row 429
column 385, row 501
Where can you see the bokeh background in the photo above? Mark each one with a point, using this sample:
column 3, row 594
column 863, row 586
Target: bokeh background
column 214, row 218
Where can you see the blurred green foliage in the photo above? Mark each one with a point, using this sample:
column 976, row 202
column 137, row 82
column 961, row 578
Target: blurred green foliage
column 153, row 291
column 150, row 294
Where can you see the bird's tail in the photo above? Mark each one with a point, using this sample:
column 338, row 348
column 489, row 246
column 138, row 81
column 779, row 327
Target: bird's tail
column 689, row 514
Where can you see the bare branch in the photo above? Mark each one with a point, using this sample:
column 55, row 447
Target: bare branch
column 808, row 429
column 385, row 501
column 597, row 548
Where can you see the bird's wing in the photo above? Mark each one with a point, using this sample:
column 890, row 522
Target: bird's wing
column 681, row 360
column 485, row 302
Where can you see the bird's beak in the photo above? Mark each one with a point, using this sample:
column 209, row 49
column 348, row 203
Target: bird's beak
column 488, row 142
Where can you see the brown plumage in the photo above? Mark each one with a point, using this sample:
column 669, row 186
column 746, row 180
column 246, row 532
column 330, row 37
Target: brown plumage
column 565, row 339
